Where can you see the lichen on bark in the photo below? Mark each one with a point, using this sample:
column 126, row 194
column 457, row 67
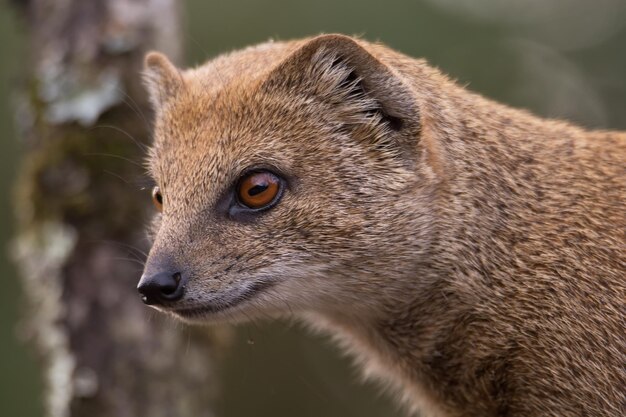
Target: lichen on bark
column 80, row 241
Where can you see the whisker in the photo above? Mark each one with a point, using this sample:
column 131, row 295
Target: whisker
column 135, row 107
column 114, row 156
column 136, row 261
column 120, row 244
column 124, row 180
column 140, row 145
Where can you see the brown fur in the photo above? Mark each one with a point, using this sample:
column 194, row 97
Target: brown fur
column 469, row 254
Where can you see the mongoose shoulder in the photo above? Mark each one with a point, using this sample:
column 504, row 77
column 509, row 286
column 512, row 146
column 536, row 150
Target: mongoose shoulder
column 470, row 255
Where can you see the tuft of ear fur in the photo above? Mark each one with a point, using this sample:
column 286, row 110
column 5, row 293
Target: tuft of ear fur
column 162, row 79
column 365, row 93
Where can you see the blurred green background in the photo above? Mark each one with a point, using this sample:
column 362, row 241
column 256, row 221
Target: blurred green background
column 558, row 58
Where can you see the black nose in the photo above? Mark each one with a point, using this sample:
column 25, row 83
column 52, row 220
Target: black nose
column 161, row 287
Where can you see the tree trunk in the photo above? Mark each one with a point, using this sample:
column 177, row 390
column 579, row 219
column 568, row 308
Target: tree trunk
column 81, row 213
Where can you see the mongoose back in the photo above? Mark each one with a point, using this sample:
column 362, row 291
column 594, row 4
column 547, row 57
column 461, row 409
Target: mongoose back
column 469, row 255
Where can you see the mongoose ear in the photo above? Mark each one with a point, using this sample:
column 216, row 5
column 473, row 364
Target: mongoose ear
column 341, row 72
column 162, row 79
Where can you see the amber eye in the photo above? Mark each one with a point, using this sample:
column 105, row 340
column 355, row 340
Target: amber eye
column 157, row 198
column 258, row 190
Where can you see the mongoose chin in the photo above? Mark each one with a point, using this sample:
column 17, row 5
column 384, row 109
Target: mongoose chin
column 470, row 256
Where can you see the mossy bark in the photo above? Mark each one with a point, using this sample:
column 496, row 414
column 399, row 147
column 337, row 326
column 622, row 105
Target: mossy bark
column 80, row 210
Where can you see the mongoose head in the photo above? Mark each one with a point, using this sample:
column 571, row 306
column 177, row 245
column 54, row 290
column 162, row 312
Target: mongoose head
column 286, row 177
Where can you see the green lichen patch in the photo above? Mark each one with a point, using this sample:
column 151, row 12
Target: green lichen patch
column 89, row 177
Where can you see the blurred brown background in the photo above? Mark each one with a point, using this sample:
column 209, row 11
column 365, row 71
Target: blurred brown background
column 558, row 58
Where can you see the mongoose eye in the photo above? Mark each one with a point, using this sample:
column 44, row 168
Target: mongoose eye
column 258, row 190
column 157, row 198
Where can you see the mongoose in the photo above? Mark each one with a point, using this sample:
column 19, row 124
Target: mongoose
column 469, row 255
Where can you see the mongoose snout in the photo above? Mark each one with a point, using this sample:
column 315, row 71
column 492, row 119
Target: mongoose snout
column 162, row 287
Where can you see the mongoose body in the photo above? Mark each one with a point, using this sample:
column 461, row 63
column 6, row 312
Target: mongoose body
column 469, row 255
